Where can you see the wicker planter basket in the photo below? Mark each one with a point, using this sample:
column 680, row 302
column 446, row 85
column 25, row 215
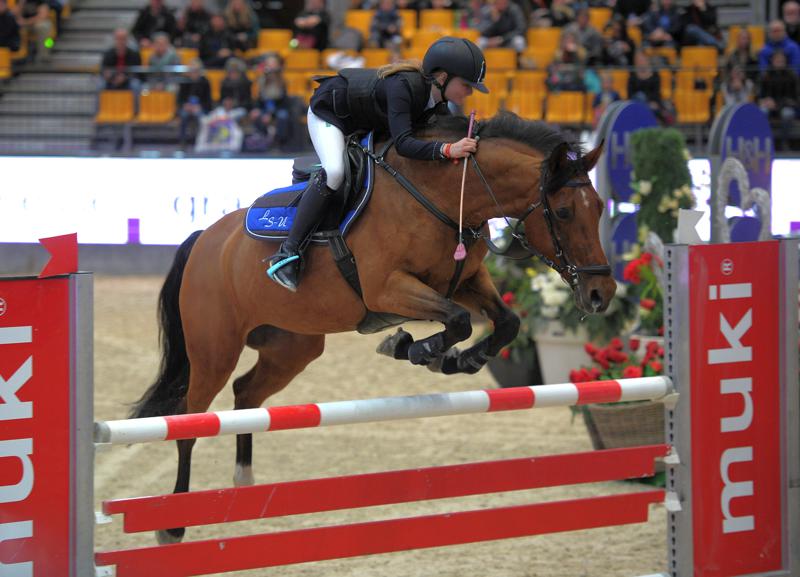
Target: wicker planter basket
column 625, row 425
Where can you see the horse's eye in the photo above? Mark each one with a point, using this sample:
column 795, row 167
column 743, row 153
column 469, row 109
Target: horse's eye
column 563, row 213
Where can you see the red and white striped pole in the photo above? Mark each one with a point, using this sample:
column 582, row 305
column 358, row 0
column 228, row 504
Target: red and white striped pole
column 381, row 409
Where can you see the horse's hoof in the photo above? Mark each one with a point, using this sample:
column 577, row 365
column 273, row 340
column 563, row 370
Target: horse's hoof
column 425, row 351
column 446, row 363
column 170, row 536
column 396, row 345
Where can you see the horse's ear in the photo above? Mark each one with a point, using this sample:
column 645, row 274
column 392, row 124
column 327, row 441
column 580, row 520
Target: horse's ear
column 558, row 158
column 590, row 159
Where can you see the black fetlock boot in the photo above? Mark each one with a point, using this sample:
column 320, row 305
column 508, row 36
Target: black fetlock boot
column 286, row 264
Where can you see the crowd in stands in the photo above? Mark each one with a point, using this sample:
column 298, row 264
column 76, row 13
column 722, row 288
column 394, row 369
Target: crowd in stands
column 219, row 63
column 30, row 26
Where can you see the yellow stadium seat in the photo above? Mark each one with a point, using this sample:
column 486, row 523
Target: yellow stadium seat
column 409, row 23
column 529, row 81
column 484, row 105
column 635, row 34
column 214, row 78
column 666, row 83
column 156, row 107
column 565, row 107
column 663, row 52
column 116, row 107
column 297, row 82
column 375, row 57
column 414, row 53
column 145, row 52
column 497, row 83
column 301, row 59
column 526, row 104
column 274, row 39
column 500, row 59
column 599, row 17
column 619, row 79
column 757, row 37
column 22, row 52
column 542, row 46
column 360, row 20
column 692, row 107
column 187, row 55
column 440, row 20
column 424, row 38
column 701, row 57
column 5, row 63
column 468, row 33
column 695, row 81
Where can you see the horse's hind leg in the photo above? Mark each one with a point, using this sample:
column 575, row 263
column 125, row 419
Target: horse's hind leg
column 213, row 353
column 281, row 356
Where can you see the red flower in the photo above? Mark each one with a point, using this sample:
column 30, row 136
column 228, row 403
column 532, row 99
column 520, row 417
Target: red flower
column 594, row 373
column 616, row 343
column 590, row 349
column 508, row 298
column 652, row 347
column 661, row 331
column 656, row 366
column 631, row 272
column 631, row 372
column 660, row 352
column 634, row 344
column 648, row 304
column 505, row 354
column 646, row 258
column 579, row 376
column 617, row 356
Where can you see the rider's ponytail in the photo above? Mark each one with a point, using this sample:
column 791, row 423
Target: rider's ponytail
column 400, row 66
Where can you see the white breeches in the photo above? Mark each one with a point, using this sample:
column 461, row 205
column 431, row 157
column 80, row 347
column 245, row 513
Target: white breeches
column 329, row 143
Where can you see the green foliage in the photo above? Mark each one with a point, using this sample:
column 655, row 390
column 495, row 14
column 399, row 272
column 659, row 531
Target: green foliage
column 661, row 179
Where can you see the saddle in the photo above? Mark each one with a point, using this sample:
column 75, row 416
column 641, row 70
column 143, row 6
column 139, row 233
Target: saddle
column 271, row 216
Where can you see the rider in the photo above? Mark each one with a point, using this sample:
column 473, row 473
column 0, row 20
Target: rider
column 390, row 99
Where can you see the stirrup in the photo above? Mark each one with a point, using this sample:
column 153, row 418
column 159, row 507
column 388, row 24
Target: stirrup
column 281, row 276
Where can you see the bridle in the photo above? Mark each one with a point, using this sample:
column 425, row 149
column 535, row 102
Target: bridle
column 519, row 247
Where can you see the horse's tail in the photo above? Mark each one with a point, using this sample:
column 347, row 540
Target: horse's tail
column 166, row 393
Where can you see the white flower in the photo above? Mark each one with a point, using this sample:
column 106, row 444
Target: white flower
column 550, row 312
column 645, row 186
column 622, row 290
column 553, row 297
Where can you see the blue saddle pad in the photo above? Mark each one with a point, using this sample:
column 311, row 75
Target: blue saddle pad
column 271, row 216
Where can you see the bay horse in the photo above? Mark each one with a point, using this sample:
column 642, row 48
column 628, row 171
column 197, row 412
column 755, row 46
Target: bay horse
column 216, row 298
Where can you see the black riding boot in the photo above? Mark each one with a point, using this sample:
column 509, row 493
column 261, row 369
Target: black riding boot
column 285, row 265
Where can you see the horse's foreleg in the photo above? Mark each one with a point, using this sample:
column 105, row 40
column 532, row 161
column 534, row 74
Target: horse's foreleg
column 479, row 294
column 406, row 295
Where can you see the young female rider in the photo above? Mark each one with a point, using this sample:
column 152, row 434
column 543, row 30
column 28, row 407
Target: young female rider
column 391, row 99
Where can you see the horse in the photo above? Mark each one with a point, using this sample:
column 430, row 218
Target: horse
column 216, row 298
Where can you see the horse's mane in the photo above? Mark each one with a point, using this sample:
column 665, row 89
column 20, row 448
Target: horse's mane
column 538, row 135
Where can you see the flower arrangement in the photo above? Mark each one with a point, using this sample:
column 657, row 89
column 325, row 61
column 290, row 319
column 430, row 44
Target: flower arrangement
column 613, row 362
column 661, row 183
column 643, row 275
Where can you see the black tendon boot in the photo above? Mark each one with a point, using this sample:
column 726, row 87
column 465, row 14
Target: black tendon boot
column 285, row 265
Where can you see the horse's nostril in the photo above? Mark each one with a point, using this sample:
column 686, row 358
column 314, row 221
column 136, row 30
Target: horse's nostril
column 596, row 299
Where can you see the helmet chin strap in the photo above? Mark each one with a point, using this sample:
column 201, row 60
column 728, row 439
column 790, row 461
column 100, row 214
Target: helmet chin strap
column 442, row 87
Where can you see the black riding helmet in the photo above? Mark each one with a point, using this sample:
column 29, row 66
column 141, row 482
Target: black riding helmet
column 458, row 57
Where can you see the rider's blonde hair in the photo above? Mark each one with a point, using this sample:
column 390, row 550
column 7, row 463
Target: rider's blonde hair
column 399, row 66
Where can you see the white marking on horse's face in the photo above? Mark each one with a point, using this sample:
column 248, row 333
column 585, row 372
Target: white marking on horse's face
column 585, row 197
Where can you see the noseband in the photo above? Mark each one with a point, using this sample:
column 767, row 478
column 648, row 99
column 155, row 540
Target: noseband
column 520, row 247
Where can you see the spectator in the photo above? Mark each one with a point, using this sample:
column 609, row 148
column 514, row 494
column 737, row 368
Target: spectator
column 273, row 116
column 778, row 41
column 587, row 36
column 9, row 28
column 565, row 72
column 162, row 60
column 791, row 19
column 242, row 23
column 311, row 26
column 470, row 14
column 743, row 55
column 618, row 48
column 604, row 98
column 155, row 17
column 699, row 23
column 194, row 98
column 559, row 14
column 661, row 26
column 502, row 24
column 737, row 88
column 34, row 18
column 193, row 23
column 220, row 130
column 778, row 93
column 117, row 60
column 386, row 26
column 216, row 45
column 236, row 86
column 632, row 11
column 644, row 85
